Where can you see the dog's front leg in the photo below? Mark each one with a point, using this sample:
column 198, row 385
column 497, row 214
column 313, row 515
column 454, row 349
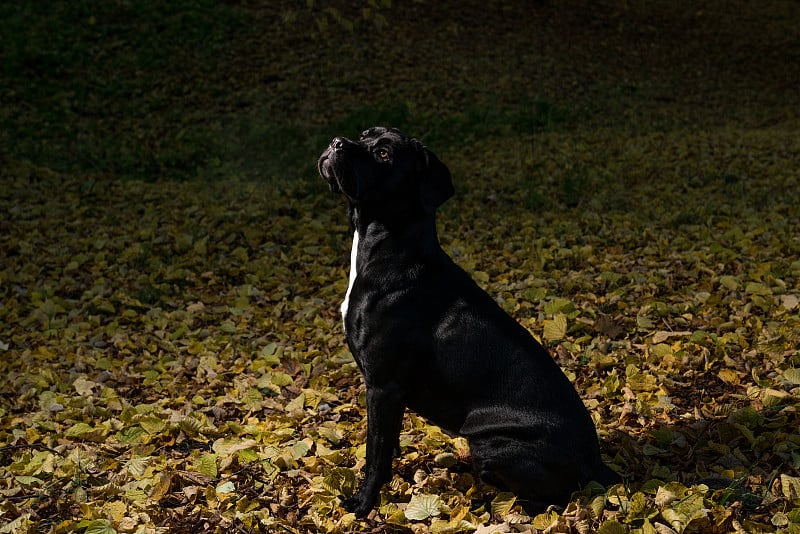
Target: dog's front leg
column 384, row 419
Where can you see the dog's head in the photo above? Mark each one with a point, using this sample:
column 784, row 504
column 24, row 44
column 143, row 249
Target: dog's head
column 386, row 169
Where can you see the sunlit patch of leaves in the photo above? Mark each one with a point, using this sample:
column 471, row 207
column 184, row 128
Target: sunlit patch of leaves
column 172, row 354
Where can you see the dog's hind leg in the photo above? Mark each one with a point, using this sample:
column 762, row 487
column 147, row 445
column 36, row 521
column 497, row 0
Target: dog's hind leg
column 532, row 470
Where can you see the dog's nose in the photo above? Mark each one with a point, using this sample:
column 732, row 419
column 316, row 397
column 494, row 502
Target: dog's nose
column 337, row 143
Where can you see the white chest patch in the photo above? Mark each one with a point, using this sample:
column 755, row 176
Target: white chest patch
column 353, row 272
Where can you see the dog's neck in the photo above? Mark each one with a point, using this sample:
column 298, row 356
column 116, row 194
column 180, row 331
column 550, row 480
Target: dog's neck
column 416, row 236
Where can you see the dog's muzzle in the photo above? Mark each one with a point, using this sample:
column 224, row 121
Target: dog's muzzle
column 325, row 168
column 331, row 162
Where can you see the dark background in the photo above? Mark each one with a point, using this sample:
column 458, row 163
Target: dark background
column 164, row 90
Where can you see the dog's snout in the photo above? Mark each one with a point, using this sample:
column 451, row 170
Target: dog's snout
column 337, row 143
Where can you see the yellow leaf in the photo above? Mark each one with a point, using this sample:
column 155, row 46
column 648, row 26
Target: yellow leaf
column 115, row 510
column 206, row 464
column 281, row 379
column 642, row 382
column 502, row 504
column 228, row 327
column 790, row 301
column 99, row 526
column 161, row 487
column 729, row 282
column 226, row 447
column 78, row 430
column 775, row 397
column 340, row 481
column 790, row 486
column 297, row 403
column 195, row 347
column 756, row 288
column 137, row 466
column 556, row 328
column 612, row 527
column 83, row 386
column 660, row 337
column 558, row 305
column 397, row 517
column 729, row 376
column 792, row 375
column 644, row 323
column 669, row 493
column 544, row 520
column 422, row 507
column 660, row 350
column 301, row 448
column 481, row 276
column 152, row 424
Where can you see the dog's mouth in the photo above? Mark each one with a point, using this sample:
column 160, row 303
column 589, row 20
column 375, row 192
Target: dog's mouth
column 325, row 168
column 340, row 167
column 331, row 169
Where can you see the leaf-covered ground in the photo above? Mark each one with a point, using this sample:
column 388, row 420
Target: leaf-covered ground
column 171, row 354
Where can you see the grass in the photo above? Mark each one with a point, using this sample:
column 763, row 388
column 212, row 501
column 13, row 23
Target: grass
column 113, row 88
column 97, row 86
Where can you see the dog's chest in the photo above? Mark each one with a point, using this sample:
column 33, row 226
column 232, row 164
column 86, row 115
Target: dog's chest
column 353, row 273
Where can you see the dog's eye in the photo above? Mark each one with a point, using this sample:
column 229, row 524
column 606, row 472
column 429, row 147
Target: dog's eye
column 382, row 154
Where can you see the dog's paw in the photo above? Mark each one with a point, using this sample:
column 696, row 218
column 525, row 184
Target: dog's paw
column 358, row 505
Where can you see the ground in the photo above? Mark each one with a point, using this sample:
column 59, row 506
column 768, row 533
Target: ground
column 171, row 350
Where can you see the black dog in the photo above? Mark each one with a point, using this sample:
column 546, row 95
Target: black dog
column 426, row 337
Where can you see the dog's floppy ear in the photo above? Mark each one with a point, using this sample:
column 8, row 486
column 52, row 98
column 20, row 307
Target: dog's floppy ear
column 436, row 184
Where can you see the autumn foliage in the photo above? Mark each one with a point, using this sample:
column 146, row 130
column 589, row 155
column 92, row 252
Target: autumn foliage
column 171, row 354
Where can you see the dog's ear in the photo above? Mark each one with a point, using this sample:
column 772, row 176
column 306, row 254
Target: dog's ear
column 436, row 185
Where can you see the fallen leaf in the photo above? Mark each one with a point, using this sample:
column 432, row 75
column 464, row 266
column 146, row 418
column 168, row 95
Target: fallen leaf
column 556, row 328
column 422, row 507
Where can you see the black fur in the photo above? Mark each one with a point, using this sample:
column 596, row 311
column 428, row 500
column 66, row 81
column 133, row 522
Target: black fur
column 426, row 337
